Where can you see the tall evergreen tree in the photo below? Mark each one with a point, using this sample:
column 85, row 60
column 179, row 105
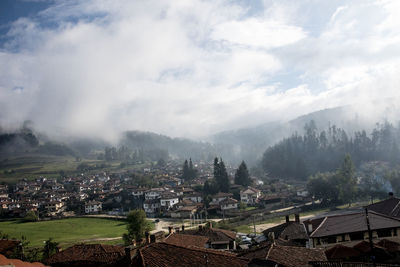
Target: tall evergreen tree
column 347, row 181
column 221, row 176
column 192, row 170
column 185, row 171
column 242, row 176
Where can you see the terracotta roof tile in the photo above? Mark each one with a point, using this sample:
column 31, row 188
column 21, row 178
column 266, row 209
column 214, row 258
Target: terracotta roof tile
column 294, row 256
column 353, row 222
column 8, row 246
column 341, row 252
column 213, row 234
column 389, row 207
column 391, row 246
column 184, row 240
column 167, row 255
column 88, row 252
column 18, row 263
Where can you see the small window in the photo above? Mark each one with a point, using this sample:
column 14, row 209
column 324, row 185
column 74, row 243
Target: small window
column 384, row 232
column 332, row 240
column 357, row 236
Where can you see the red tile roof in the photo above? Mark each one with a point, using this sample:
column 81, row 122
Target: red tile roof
column 213, row 234
column 353, row 222
column 98, row 253
column 391, row 246
column 294, row 256
column 18, row 263
column 187, row 240
column 167, row 255
column 341, row 252
column 389, row 207
column 7, row 246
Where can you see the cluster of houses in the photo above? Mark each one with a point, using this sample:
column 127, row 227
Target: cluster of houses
column 355, row 238
column 52, row 198
column 116, row 194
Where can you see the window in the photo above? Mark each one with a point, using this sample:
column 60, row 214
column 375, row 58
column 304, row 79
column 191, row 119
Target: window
column 332, row 240
column 357, row 236
column 384, row 232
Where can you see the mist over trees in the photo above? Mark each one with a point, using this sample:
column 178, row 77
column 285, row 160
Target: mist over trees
column 300, row 156
column 188, row 171
column 242, row 176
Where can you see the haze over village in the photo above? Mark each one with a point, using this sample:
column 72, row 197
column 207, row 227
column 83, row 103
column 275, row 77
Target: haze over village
column 199, row 133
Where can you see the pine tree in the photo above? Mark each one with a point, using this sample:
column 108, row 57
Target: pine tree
column 192, row 170
column 347, row 181
column 221, row 176
column 185, row 171
column 242, row 176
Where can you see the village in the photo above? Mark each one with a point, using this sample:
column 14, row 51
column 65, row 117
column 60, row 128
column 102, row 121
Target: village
column 189, row 227
column 117, row 193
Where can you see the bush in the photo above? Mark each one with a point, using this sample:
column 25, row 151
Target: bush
column 31, row 217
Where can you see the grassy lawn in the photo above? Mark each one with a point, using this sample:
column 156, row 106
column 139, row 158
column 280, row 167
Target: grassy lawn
column 66, row 231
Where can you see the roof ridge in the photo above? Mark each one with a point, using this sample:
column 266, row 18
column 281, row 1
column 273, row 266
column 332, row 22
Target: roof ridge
column 398, row 203
column 319, row 226
column 269, row 251
column 225, row 253
column 383, row 215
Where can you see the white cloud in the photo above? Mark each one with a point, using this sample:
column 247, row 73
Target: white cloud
column 191, row 68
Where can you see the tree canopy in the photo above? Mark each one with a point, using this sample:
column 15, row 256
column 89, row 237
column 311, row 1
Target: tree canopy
column 137, row 225
column 242, row 176
column 300, row 156
column 220, row 175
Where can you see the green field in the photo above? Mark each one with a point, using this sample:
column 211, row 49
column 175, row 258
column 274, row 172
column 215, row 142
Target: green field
column 33, row 166
column 67, row 231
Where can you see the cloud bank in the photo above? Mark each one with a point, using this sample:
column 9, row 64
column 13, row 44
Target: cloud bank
column 193, row 68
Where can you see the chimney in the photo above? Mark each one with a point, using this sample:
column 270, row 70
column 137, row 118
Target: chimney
column 128, row 254
column 147, row 235
column 310, row 227
column 271, row 237
column 297, row 218
column 210, row 224
column 390, row 194
column 153, row 238
column 170, row 229
column 287, row 218
column 183, row 228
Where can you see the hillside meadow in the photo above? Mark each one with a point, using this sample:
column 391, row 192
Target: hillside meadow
column 67, row 231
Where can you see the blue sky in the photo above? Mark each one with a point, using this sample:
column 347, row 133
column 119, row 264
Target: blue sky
column 191, row 68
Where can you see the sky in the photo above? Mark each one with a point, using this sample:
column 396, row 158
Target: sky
column 191, row 68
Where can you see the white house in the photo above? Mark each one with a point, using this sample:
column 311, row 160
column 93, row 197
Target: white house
column 228, row 204
column 216, row 199
column 195, row 197
column 168, row 201
column 151, row 206
column 153, row 193
column 93, row 207
column 138, row 192
column 250, row 195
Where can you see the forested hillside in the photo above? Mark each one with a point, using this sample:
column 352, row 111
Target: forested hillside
column 320, row 151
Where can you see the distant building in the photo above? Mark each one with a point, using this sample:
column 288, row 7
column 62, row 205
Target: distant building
column 168, row 200
column 164, row 254
column 351, row 228
column 250, row 195
column 228, row 204
column 389, row 207
column 93, row 207
column 151, row 207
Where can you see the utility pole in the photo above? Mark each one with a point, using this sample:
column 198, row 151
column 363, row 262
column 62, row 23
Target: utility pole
column 254, row 224
column 371, row 244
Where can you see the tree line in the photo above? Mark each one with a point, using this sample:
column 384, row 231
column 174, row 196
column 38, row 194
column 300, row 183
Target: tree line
column 220, row 181
column 300, row 156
